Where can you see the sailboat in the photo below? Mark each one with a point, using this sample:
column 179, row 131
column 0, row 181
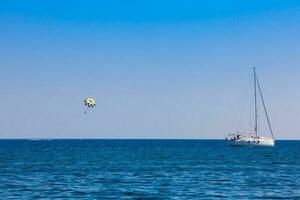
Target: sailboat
column 253, row 138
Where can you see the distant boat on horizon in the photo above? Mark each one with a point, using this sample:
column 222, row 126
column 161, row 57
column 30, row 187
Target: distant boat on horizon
column 40, row 139
column 241, row 138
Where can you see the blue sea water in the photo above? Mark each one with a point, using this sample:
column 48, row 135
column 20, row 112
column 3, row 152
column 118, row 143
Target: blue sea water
column 147, row 169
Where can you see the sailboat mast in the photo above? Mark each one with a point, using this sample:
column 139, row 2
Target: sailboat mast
column 255, row 100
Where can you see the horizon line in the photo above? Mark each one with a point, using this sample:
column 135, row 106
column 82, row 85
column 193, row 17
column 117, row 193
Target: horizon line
column 128, row 139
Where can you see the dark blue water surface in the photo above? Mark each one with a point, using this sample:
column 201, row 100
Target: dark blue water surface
column 148, row 169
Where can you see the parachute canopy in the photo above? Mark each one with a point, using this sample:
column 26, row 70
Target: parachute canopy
column 90, row 102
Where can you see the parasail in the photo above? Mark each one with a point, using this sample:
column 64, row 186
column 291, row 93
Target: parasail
column 89, row 102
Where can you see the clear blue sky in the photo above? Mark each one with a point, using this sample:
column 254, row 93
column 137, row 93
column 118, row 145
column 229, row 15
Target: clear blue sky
column 158, row 69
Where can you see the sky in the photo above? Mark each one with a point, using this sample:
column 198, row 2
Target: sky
column 157, row 69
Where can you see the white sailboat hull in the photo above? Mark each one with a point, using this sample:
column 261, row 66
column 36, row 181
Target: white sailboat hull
column 251, row 141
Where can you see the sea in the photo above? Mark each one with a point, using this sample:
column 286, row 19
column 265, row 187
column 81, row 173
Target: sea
column 147, row 169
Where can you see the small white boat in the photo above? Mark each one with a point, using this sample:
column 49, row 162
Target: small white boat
column 40, row 139
column 34, row 139
column 253, row 138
